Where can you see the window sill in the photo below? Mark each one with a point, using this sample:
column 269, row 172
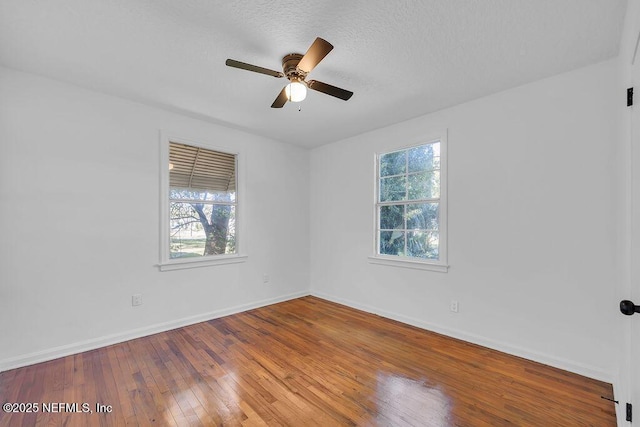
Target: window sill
column 406, row 263
column 179, row 264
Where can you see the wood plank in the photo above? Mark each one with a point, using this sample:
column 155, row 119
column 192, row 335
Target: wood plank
column 305, row 362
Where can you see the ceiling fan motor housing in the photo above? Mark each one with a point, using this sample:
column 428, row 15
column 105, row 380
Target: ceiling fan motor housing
column 290, row 67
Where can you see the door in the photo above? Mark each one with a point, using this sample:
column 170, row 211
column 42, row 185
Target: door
column 630, row 56
column 635, row 243
column 628, row 381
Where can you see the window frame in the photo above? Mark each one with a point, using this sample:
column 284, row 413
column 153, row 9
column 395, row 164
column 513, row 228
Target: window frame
column 166, row 262
column 440, row 265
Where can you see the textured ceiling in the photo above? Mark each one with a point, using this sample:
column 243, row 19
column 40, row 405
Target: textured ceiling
column 401, row 58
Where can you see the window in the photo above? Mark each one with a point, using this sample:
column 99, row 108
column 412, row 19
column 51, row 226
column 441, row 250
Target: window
column 410, row 209
column 200, row 205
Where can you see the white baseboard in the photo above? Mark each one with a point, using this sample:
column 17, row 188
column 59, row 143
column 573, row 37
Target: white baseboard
column 92, row 344
column 546, row 359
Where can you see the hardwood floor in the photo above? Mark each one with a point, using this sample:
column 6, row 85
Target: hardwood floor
column 303, row 362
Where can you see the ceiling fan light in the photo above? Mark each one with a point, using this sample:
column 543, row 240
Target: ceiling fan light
column 296, row 91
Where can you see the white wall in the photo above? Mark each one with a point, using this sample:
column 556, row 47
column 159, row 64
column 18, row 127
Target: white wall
column 532, row 233
column 79, row 222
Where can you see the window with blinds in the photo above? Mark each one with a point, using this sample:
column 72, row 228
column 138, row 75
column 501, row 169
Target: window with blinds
column 202, row 202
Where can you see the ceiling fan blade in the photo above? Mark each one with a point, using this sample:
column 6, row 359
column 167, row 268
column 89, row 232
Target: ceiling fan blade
column 329, row 90
column 318, row 50
column 254, row 68
column 281, row 99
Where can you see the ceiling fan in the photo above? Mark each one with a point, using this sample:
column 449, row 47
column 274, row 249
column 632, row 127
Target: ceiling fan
column 295, row 67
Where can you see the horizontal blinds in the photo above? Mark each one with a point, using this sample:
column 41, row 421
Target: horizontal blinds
column 201, row 169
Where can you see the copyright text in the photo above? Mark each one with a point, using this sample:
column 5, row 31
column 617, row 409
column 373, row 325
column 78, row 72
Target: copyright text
column 56, row 407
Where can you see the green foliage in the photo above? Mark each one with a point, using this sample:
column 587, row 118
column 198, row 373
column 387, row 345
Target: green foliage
column 392, row 217
column 393, row 163
column 392, row 242
column 422, row 216
column 393, row 188
column 424, row 158
column 422, row 244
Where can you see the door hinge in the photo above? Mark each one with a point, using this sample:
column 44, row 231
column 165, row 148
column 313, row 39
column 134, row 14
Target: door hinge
column 629, row 97
column 629, row 412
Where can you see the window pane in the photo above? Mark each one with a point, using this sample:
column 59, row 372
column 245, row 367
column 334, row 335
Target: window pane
column 204, row 195
column 425, row 157
column 392, row 217
column 424, row 185
column 200, row 229
column 423, row 244
column 392, row 242
column 394, row 188
column 393, row 163
column 423, row 216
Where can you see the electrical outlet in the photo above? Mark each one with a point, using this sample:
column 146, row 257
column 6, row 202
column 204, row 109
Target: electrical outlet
column 136, row 300
column 453, row 306
column 265, row 278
